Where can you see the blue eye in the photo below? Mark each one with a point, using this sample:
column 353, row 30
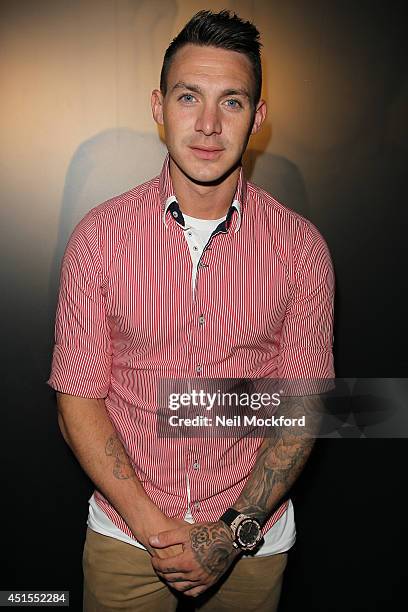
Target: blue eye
column 187, row 97
column 235, row 103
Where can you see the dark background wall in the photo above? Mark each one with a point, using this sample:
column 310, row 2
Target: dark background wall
column 76, row 128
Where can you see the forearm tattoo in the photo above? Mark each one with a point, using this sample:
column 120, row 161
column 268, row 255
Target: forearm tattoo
column 281, row 458
column 122, row 468
column 212, row 547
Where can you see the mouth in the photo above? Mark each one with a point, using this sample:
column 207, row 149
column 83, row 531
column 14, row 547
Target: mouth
column 206, row 152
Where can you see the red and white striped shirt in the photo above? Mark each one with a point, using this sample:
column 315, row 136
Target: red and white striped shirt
column 262, row 307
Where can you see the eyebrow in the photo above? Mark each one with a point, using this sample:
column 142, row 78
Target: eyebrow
column 226, row 92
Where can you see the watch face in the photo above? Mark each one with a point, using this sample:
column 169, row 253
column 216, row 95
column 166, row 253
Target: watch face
column 248, row 533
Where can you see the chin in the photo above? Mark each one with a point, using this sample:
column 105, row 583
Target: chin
column 206, row 176
column 208, row 172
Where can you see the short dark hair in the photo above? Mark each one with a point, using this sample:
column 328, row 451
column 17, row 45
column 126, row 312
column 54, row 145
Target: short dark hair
column 223, row 30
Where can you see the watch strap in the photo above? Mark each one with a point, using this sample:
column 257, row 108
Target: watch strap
column 229, row 516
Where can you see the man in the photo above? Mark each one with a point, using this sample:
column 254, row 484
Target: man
column 194, row 274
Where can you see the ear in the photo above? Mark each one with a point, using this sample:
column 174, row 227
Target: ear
column 260, row 115
column 157, row 106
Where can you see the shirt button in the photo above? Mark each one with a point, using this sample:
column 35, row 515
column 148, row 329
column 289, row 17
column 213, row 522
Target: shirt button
column 189, row 234
column 199, row 368
column 175, row 214
column 195, row 248
column 196, row 465
column 201, row 319
column 197, row 506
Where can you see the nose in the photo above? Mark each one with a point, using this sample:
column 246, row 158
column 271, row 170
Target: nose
column 209, row 121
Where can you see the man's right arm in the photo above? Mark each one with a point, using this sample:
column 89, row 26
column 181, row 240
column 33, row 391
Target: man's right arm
column 88, row 431
column 81, row 370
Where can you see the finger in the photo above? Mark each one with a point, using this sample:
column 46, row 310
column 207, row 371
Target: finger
column 170, row 565
column 184, row 587
column 167, row 538
column 196, row 591
column 170, row 578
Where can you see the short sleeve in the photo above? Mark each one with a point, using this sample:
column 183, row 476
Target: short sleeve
column 306, row 342
column 81, row 363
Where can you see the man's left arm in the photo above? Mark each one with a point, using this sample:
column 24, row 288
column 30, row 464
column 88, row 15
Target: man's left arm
column 208, row 547
column 281, row 457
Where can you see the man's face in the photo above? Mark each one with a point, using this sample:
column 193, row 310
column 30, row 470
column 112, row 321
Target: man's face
column 207, row 112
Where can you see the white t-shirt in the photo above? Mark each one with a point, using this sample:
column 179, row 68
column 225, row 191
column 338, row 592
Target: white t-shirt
column 282, row 534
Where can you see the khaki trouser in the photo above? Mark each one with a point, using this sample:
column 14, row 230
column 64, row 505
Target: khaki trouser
column 119, row 576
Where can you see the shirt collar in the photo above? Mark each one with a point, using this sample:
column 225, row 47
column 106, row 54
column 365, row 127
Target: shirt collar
column 169, row 200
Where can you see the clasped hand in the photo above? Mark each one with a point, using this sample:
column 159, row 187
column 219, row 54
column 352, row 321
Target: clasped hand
column 207, row 554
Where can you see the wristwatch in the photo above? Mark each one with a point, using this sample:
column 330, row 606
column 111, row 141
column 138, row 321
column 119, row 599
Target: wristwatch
column 246, row 530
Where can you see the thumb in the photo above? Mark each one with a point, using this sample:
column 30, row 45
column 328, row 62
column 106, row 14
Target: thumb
column 166, row 538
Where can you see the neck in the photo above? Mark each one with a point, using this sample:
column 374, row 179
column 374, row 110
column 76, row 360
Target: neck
column 203, row 201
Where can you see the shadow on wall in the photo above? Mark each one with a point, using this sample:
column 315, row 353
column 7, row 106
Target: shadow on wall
column 106, row 165
column 116, row 160
column 279, row 177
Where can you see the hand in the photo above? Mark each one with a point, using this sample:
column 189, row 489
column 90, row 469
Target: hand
column 207, row 554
